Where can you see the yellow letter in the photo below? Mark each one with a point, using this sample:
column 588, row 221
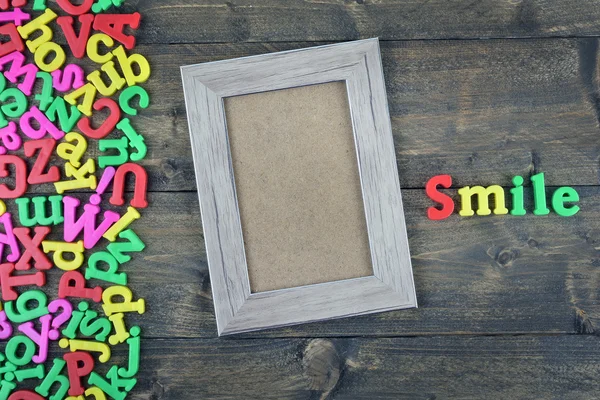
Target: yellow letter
column 483, row 205
column 92, row 48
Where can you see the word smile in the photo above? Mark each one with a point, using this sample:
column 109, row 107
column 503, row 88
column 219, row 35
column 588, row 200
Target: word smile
column 560, row 198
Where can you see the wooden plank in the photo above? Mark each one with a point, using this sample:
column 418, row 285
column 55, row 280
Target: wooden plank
column 189, row 21
column 543, row 367
column 482, row 111
column 480, row 275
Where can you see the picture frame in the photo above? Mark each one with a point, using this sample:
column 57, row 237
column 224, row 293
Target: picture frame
column 391, row 287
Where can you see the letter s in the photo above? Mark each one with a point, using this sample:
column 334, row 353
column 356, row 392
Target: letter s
column 445, row 200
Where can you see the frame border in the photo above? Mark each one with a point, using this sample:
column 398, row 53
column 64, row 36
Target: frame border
column 357, row 63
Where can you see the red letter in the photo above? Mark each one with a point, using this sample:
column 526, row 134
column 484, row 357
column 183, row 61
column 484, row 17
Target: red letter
column 107, row 126
column 32, row 250
column 72, row 284
column 445, row 200
column 14, row 44
column 20, row 177
column 37, row 175
column 139, row 191
column 75, row 9
column 79, row 364
column 114, row 24
column 76, row 43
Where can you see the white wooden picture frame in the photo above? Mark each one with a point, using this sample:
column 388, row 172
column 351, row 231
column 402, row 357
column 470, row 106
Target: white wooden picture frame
column 358, row 64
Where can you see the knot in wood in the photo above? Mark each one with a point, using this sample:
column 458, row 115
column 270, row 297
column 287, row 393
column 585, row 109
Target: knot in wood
column 322, row 365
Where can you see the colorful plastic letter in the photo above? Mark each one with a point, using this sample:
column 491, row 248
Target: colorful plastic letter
column 135, row 140
column 134, row 354
column 45, row 97
column 483, row 198
column 103, row 5
column 128, row 94
column 126, row 64
column 81, row 180
column 134, row 244
column 76, row 317
column 60, row 248
column 6, row 329
column 39, row 217
column 110, row 275
column 79, row 364
column 117, row 82
column 16, row 16
column 15, row 43
column 32, row 373
column 96, row 392
column 8, row 282
column 46, row 126
column 114, row 24
column 92, row 48
column 73, row 9
column 109, row 388
column 130, row 216
column 40, row 23
column 12, row 350
column 10, row 138
column 446, row 202
column 518, row 208
column 77, row 43
column 20, row 177
column 58, row 110
column 37, row 175
column 23, row 313
column 71, row 77
column 32, row 250
column 72, row 284
column 86, row 223
column 25, row 395
column 16, row 108
column 562, row 195
column 53, row 377
column 107, row 126
column 72, row 152
column 121, row 334
column 121, row 145
column 88, row 92
column 17, row 69
column 8, row 238
column 539, row 195
column 60, row 319
column 127, row 305
column 100, row 328
column 40, row 338
column 141, row 184
column 87, row 345
column 42, row 53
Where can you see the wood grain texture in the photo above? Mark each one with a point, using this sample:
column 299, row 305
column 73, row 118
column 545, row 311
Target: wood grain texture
column 480, row 110
column 217, row 21
column 480, row 275
column 539, row 367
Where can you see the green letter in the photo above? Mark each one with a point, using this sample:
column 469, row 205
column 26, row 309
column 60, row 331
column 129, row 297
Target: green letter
column 561, row 196
column 517, row 197
column 539, row 195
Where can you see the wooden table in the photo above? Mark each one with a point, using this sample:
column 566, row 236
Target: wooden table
column 481, row 90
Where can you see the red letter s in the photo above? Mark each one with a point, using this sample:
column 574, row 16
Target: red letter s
column 445, row 200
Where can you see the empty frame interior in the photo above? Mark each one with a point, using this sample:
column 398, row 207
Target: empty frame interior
column 298, row 186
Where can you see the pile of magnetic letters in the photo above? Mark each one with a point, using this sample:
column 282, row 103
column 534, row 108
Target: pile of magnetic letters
column 69, row 92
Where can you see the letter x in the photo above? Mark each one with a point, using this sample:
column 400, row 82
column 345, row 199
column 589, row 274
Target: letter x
column 32, row 250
